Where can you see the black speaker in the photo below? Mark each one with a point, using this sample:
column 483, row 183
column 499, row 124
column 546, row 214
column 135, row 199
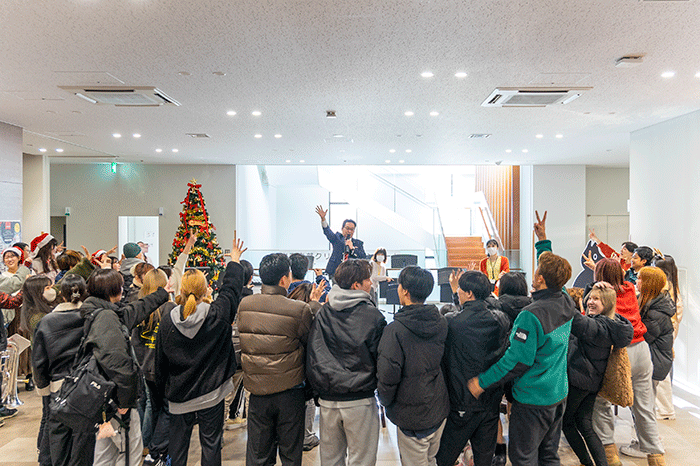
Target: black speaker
column 444, row 275
column 399, row 261
column 390, row 291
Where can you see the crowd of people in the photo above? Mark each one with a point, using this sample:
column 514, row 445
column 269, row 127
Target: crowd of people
column 179, row 354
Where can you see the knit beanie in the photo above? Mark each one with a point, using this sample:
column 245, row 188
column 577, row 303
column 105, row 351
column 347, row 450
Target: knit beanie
column 131, row 250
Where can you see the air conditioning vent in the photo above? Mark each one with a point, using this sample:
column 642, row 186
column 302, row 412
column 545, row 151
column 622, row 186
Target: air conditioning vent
column 198, row 135
column 122, row 96
column 479, row 136
column 532, row 97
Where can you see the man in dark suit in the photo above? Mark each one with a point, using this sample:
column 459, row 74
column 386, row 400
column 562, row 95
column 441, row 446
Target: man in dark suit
column 344, row 245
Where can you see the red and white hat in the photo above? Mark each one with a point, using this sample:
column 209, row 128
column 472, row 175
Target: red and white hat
column 16, row 251
column 40, row 241
column 96, row 256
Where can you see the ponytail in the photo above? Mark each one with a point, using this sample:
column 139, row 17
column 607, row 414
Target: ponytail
column 192, row 289
column 190, row 306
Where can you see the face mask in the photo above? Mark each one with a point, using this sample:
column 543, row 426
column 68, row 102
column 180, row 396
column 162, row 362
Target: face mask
column 380, row 258
column 50, row 295
column 492, row 251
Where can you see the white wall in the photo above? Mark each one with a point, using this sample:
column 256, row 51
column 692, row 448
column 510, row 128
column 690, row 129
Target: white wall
column 37, row 197
column 664, row 200
column 607, row 192
column 561, row 191
column 11, row 174
column 97, row 197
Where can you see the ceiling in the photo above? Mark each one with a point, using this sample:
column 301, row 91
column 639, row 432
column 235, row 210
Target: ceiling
column 293, row 60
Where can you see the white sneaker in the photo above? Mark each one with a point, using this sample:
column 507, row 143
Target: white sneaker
column 633, row 450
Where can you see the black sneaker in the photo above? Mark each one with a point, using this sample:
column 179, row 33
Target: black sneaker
column 311, row 444
column 7, row 413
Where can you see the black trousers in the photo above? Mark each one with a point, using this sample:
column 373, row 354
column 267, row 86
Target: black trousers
column 160, row 417
column 578, row 427
column 42, row 442
column 534, row 433
column 479, row 427
column 211, row 427
column 68, row 447
column 276, row 421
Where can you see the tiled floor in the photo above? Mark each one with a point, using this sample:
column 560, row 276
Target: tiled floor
column 680, row 437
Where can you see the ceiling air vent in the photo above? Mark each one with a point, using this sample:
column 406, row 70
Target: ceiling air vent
column 532, row 96
column 198, row 135
column 479, row 136
column 122, row 96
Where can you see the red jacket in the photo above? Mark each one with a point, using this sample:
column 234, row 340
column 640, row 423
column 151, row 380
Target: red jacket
column 608, row 252
column 628, row 307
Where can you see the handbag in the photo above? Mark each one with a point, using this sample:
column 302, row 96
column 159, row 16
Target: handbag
column 79, row 404
column 617, row 380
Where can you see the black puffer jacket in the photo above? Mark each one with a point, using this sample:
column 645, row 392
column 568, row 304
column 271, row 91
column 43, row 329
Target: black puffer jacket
column 411, row 383
column 341, row 361
column 511, row 305
column 55, row 344
column 589, row 347
column 109, row 340
column 476, row 339
column 656, row 315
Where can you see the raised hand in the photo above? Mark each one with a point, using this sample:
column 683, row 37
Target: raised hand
column 190, row 242
column 317, row 290
column 237, row 250
column 588, row 260
column 85, row 250
column 454, row 279
column 539, row 226
column 321, row 213
column 112, row 251
column 592, row 235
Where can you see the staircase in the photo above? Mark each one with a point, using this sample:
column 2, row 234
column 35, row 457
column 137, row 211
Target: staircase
column 464, row 251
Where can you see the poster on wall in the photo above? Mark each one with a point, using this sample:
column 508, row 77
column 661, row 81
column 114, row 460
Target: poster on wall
column 11, row 233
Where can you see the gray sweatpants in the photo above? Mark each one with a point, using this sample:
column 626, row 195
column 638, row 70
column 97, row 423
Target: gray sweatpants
column 110, row 451
column 419, row 451
column 349, row 432
column 642, row 409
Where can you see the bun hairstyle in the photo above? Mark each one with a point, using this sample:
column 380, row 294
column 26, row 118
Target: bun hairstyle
column 192, row 289
column 73, row 288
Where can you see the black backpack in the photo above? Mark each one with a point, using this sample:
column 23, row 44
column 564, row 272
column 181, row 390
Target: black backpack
column 80, row 403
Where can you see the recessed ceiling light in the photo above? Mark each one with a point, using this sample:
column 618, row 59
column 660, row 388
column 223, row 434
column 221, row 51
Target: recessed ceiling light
column 668, row 74
column 427, row 74
column 278, row 136
column 392, row 150
column 509, row 151
column 42, row 149
column 184, row 73
column 460, row 74
column 524, row 151
column 50, row 111
column 337, row 135
column 408, row 151
column 697, row 75
column 387, row 161
column 258, row 136
column 256, row 113
column 231, row 113
column 77, row 112
column 116, row 135
column 159, row 150
column 176, row 150
column 287, row 160
column 59, row 150
column 136, row 135
column 401, row 161
column 219, row 73
column 434, row 113
column 559, row 136
column 408, row 113
column 301, row 161
column 539, row 136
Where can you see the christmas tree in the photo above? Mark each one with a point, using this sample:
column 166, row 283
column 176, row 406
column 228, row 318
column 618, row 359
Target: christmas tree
column 194, row 219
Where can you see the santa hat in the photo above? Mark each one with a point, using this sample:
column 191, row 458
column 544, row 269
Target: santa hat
column 96, row 256
column 40, row 241
column 16, row 251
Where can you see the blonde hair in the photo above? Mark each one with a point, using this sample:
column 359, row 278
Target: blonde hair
column 192, row 289
column 608, row 298
column 653, row 282
column 153, row 280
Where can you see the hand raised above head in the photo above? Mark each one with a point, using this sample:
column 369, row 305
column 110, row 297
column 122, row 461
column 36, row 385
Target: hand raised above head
column 237, row 249
column 539, row 226
column 321, row 213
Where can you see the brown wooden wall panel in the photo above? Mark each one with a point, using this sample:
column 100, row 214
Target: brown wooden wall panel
column 501, row 186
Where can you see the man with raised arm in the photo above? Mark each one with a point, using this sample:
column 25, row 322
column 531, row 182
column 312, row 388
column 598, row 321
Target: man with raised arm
column 344, row 245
